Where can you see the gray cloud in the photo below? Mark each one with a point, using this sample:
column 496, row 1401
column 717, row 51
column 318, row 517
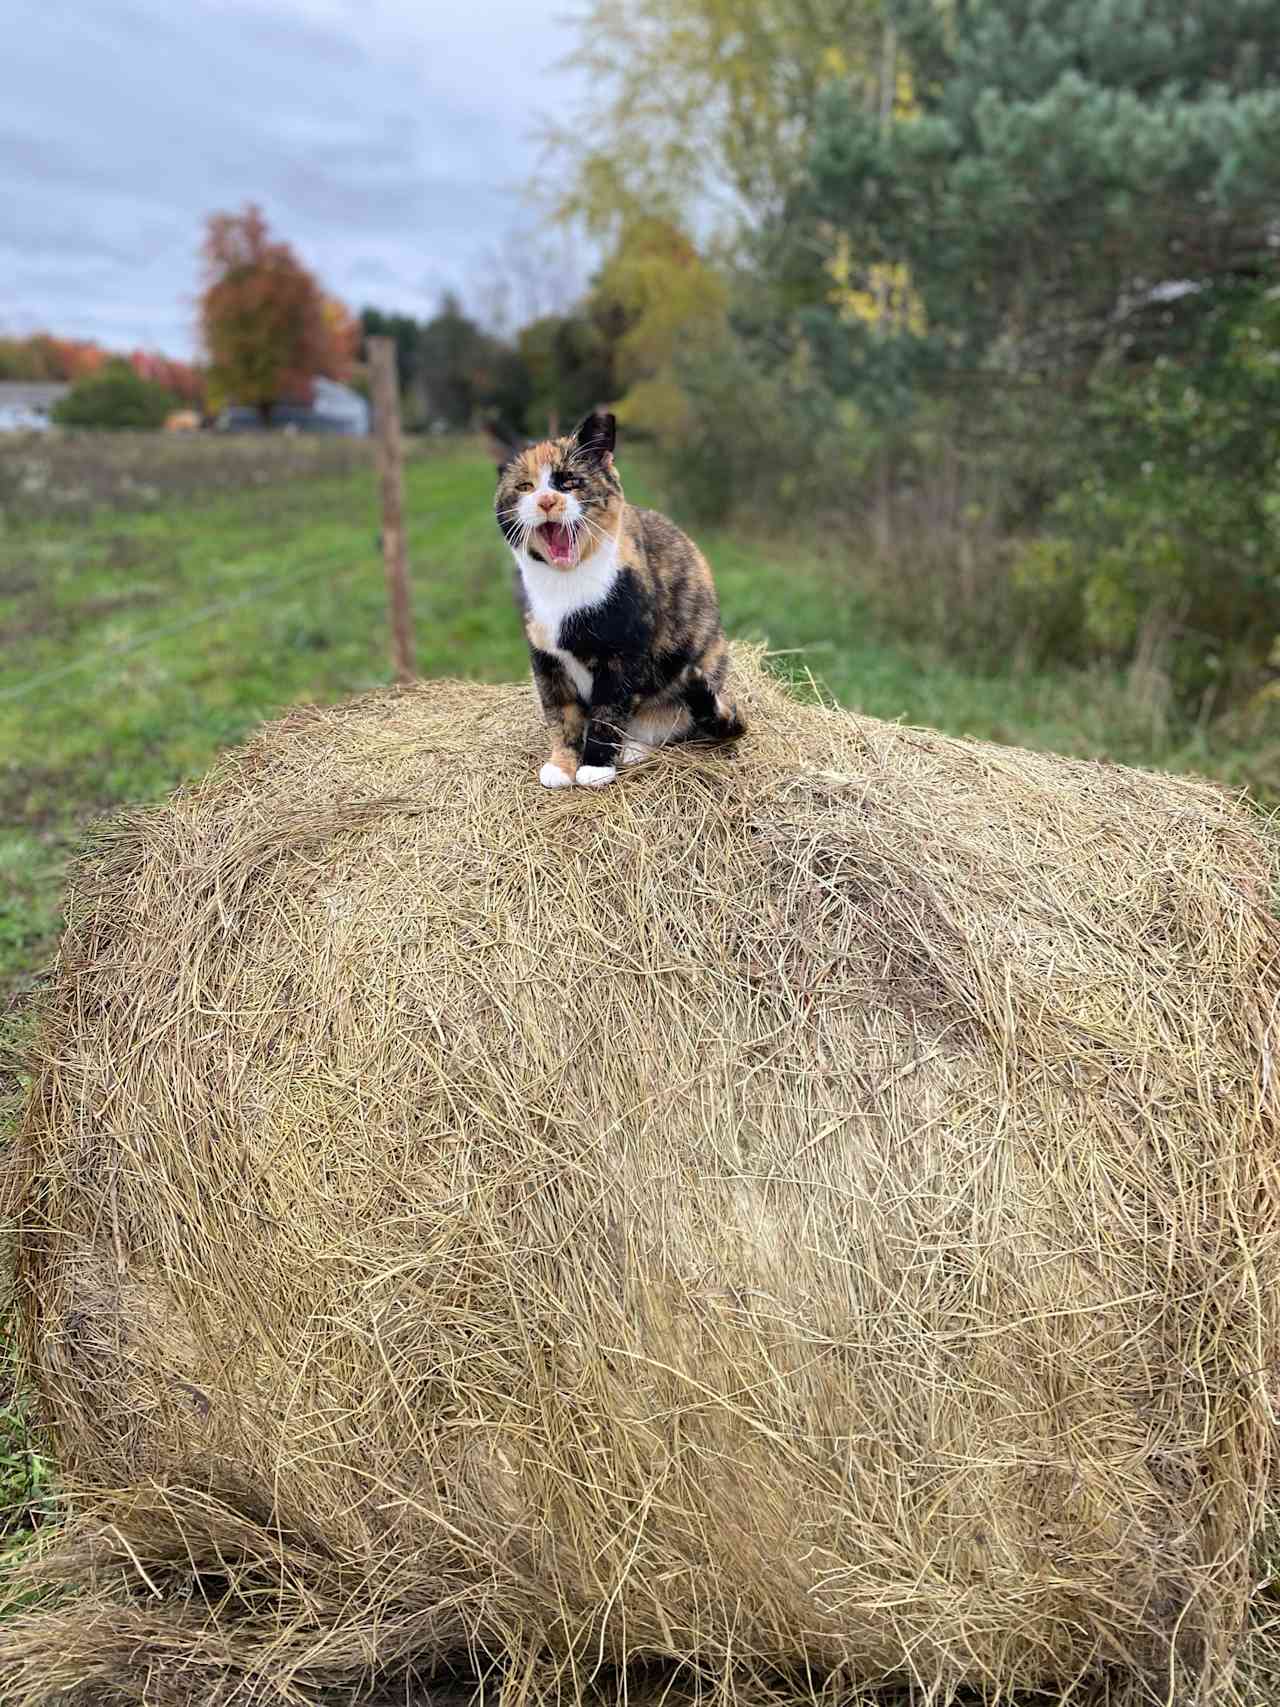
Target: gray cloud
column 391, row 141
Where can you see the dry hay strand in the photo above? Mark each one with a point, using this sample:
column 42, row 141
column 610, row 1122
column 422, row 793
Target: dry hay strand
column 804, row 1216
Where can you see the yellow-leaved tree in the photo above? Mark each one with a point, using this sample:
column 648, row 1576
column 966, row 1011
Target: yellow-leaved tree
column 696, row 106
column 660, row 292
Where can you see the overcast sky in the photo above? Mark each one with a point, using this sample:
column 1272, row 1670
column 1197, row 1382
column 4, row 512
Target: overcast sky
column 389, row 141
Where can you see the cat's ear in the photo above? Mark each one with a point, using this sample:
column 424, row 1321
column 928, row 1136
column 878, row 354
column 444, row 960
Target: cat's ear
column 505, row 444
column 596, row 436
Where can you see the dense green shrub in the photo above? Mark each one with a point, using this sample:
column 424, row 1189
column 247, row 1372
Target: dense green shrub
column 1056, row 243
column 118, row 398
column 1169, row 535
column 770, row 443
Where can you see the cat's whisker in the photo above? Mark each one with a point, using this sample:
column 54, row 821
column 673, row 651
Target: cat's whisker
column 595, row 533
column 584, row 521
column 583, row 526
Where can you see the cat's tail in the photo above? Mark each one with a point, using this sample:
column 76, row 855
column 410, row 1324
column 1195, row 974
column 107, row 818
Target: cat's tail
column 715, row 716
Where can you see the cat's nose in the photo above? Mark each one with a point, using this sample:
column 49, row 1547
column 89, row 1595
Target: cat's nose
column 547, row 501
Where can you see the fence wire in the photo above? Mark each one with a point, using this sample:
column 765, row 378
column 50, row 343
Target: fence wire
column 109, row 654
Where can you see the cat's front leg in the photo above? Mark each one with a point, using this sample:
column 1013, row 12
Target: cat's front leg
column 612, row 704
column 566, row 721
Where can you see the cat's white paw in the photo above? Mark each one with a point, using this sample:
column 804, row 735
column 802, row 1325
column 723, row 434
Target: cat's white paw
column 551, row 776
column 634, row 753
column 595, row 776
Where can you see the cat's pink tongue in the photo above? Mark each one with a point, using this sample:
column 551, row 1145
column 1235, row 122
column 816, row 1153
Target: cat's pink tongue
column 558, row 540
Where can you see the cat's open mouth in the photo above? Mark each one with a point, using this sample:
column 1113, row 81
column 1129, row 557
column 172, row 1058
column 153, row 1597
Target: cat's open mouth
column 557, row 541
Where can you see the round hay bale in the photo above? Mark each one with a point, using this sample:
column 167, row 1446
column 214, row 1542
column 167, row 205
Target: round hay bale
column 805, row 1213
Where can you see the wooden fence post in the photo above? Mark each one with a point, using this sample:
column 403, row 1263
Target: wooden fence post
column 386, row 426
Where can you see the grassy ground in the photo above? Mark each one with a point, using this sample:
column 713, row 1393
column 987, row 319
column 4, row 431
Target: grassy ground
column 154, row 607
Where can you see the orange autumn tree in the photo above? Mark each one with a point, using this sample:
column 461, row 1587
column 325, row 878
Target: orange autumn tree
column 184, row 380
column 42, row 357
column 267, row 327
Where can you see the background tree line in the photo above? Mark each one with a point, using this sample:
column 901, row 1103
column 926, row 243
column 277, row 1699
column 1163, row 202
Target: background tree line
column 987, row 290
column 42, row 358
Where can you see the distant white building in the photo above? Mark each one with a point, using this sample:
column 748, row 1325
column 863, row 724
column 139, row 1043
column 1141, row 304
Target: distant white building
column 339, row 403
column 25, row 406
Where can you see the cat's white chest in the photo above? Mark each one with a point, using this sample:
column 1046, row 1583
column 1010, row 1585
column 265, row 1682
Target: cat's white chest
column 555, row 595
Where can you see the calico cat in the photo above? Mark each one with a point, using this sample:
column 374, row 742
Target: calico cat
column 619, row 609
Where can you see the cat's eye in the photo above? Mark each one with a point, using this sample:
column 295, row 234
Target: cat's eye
column 524, row 485
column 570, row 483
